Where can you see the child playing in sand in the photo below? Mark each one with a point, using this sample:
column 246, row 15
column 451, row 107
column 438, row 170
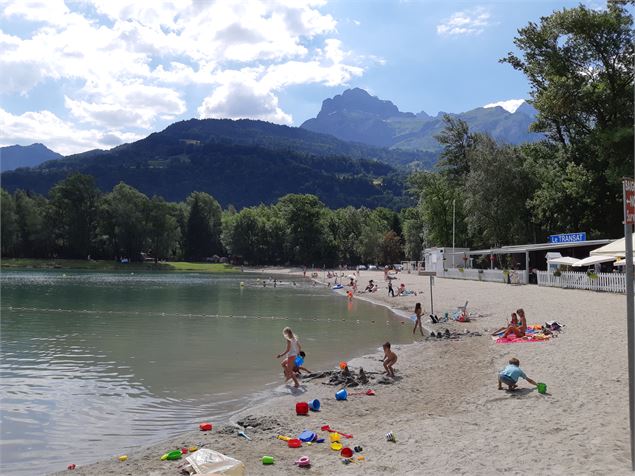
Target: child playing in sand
column 510, row 375
column 390, row 358
column 297, row 364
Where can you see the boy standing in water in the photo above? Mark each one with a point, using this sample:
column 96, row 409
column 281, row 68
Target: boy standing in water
column 390, row 358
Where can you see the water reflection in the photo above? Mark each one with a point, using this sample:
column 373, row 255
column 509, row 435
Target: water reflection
column 131, row 359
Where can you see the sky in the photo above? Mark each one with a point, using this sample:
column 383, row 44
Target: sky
column 85, row 74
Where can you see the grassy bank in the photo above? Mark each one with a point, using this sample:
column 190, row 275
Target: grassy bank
column 116, row 266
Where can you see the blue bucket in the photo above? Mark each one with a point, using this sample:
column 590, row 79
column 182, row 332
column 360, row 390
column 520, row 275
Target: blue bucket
column 314, row 405
column 341, row 395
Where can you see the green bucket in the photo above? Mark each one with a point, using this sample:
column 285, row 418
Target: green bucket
column 542, row 388
column 267, row 460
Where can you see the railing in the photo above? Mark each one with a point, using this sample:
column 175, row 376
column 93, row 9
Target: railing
column 607, row 282
column 493, row 275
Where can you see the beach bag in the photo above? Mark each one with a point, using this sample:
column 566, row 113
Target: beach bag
column 302, row 408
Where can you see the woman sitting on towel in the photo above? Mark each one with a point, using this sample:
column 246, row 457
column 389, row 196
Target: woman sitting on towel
column 519, row 329
column 513, row 327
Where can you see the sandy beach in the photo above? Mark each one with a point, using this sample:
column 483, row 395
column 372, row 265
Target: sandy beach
column 444, row 407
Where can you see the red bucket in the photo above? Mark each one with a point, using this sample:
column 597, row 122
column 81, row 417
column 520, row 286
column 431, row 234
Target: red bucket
column 346, row 453
column 294, row 443
column 205, row 426
column 302, row 408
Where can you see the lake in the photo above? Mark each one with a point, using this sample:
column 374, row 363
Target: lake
column 94, row 364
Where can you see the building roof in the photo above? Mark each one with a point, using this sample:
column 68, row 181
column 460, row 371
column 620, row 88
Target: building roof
column 537, row 247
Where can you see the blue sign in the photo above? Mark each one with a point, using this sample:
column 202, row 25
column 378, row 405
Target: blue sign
column 568, row 238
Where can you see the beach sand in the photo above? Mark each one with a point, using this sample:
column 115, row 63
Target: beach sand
column 444, row 407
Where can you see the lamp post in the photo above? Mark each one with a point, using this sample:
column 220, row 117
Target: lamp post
column 453, row 228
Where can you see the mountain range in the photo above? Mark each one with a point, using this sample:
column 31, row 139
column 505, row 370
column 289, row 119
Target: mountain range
column 15, row 156
column 357, row 116
column 357, row 151
column 242, row 162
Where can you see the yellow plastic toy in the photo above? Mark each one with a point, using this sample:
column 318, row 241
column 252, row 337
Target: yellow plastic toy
column 123, row 458
column 283, row 438
column 336, row 446
column 334, row 437
column 192, row 449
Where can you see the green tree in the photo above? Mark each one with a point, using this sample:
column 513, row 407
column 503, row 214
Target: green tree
column 303, row 217
column 204, row 226
column 8, row 223
column 412, row 233
column 579, row 63
column 456, row 140
column 437, row 197
column 74, row 207
column 162, row 228
column 34, row 224
column 496, row 192
column 345, row 227
column 391, row 249
column 123, row 220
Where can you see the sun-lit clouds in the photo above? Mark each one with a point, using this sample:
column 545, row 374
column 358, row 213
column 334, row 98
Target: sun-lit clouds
column 59, row 135
column 465, row 23
column 510, row 105
column 132, row 63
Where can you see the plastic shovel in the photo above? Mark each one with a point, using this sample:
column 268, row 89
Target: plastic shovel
column 328, row 428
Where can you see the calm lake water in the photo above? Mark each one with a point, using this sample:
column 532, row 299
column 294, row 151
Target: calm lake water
column 102, row 362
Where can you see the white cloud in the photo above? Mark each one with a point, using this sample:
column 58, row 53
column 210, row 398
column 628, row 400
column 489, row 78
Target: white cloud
column 510, row 105
column 60, row 136
column 465, row 23
column 130, row 62
column 243, row 99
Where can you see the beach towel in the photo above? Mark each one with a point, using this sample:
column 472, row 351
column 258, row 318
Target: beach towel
column 533, row 334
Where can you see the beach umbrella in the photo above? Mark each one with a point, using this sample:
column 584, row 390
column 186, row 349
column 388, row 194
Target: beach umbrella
column 615, row 248
column 591, row 260
column 565, row 260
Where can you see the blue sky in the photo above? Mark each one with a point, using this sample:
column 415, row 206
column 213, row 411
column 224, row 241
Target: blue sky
column 90, row 74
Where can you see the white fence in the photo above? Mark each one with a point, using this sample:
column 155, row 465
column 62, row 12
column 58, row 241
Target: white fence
column 494, row 275
column 608, row 282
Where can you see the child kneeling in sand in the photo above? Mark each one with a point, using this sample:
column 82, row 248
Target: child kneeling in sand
column 510, row 375
column 390, row 358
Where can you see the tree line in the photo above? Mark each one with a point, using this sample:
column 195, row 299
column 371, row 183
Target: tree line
column 579, row 66
column 76, row 220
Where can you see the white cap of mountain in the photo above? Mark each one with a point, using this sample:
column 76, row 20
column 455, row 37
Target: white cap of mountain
column 510, row 105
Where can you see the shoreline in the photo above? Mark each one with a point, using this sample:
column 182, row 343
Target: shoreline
column 444, row 408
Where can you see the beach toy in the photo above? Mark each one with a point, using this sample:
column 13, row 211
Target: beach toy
column 184, row 451
column 72, row 466
column 361, row 458
column 542, row 388
column 343, row 365
column 123, row 458
column 334, row 437
column 303, row 462
column 358, row 449
column 320, row 440
column 283, row 438
column 294, row 443
column 164, row 457
column 330, row 430
column 346, row 453
column 193, row 449
column 174, row 455
column 302, row 408
column 346, row 461
column 244, row 435
column 205, row 426
column 391, row 437
column 336, row 446
column 298, row 361
column 267, row 460
column 314, row 405
column 341, row 394
column 307, row 436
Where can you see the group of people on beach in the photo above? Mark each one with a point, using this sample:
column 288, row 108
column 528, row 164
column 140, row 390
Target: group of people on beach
column 294, row 358
column 518, row 325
